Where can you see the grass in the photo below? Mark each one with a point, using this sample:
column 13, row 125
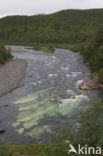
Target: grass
column 30, row 149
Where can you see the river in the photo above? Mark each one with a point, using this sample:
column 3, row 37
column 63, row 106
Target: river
column 48, row 99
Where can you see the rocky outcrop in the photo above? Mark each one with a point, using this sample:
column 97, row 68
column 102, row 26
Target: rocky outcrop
column 91, row 84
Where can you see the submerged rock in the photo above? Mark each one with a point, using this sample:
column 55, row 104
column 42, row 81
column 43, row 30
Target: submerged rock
column 5, row 105
column 2, row 130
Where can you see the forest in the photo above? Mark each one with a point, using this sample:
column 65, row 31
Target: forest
column 64, row 27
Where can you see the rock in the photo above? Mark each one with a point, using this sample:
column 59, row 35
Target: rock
column 84, row 86
column 5, row 105
column 2, row 131
column 80, row 60
column 91, row 84
column 76, row 126
column 74, row 96
column 53, row 99
column 31, row 75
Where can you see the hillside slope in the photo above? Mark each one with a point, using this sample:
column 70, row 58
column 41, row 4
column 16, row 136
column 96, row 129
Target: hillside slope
column 67, row 26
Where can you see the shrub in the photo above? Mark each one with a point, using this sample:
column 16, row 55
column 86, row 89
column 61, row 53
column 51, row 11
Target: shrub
column 4, row 54
column 101, row 75
column 4, row 149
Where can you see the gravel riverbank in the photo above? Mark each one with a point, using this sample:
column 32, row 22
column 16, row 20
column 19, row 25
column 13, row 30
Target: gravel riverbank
column 11, row 75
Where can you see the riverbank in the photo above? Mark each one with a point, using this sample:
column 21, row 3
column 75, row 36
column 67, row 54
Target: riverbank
column 91, row 84
column 11, row 75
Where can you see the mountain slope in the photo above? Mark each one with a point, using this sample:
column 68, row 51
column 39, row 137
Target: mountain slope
column 67, row 26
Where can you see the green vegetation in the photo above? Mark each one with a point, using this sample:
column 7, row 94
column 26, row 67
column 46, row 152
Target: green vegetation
column 80, row 31
column 30, row 149
column 101, row 75
column 64, row 27
column 93, row 53
column 90, row 127
column 4, row 54
column 4, row 149
column 48, row 48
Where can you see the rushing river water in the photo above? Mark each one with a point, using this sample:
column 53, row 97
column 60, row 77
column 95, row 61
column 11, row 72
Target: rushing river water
column 49, row 98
